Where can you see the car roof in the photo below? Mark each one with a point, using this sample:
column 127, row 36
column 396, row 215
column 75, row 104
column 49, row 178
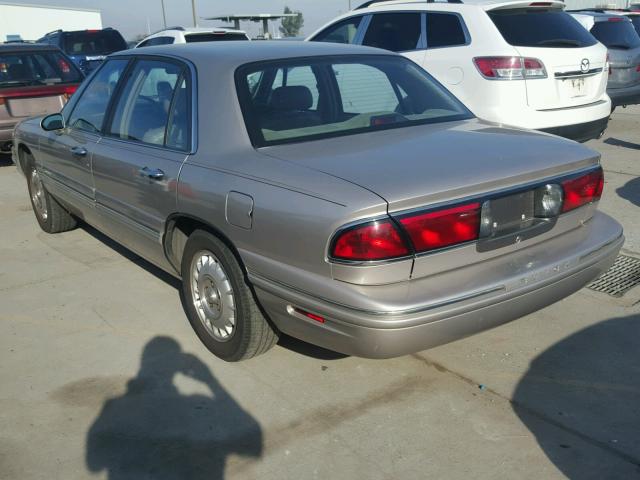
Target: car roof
column 234, row 54
column 484, row 4
column 26, row 47
column 599, row 16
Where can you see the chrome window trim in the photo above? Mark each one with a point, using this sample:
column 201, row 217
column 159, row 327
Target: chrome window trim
column 577, row 73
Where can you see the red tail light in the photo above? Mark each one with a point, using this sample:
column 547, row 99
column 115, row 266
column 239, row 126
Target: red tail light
column 616, row 19
column 510, row 68
column 378, row 240
column 40, row 91
column 582, row 190
column 443, row 228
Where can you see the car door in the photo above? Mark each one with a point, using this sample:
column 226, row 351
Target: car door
column 401, row 32
column 67, row 154
column 137, row 162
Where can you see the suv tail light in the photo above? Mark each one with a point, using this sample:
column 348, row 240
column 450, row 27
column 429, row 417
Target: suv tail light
column 510, row 68
column 582, row 190
column 379, row 240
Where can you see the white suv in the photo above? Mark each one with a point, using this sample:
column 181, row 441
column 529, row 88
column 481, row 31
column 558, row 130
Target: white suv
column 526, row 64
column 189, row 35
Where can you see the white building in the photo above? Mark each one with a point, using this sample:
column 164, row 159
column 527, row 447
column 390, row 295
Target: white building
column 579, row 4
column 30, row 22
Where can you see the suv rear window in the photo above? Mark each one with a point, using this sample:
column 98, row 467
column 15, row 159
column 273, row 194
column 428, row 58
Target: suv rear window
column 36, row 68
column 93, row 42
column 620, row 35
column 214, row 37
column 534, row 27
column 306, row 99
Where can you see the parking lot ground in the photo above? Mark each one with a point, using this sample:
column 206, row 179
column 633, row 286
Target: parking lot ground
column 101, row 375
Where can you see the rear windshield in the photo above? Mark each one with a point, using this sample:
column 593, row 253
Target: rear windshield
column 620, row 35
column 536, row 27
column 214, row 37
column 307, row 99
column 93, row 42
column 36, row 68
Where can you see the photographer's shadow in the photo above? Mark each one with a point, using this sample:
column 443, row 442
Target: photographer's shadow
column 581, row 399
column 155, row 432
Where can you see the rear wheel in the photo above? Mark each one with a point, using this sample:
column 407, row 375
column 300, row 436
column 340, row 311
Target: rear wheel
column 51, row 216
column 219, row 303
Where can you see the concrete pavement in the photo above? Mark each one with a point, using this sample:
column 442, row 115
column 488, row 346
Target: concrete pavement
column 101, row 376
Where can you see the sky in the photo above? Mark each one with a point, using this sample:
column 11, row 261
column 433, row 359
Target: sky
column 134, row 17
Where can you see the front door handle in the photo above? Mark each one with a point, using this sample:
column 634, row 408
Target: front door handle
column 152, row 173
column 79, row 152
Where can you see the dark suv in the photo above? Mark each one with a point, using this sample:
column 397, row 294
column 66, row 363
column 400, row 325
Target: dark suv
column 87, row 48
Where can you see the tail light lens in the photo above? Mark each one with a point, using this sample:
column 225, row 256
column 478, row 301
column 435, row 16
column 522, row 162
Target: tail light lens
column 582, row 190
column 510, row 68
column 378, row 240
column 443, row 228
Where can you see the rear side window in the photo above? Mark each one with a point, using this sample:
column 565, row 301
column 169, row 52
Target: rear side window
column 444, row 30
column 36, row 68
column 93, row 42
column 156, row 41
column 620, row 35
column 214, row 37
column 535, row 27
column 397, row 32
column 342, row 32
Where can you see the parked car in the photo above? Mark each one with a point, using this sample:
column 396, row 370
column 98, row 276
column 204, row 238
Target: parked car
column 635, row 19
column 87, row 48
column 191, row 35
column 34, row 80
column 337, row 194
column 527, row 64
column 617, row 33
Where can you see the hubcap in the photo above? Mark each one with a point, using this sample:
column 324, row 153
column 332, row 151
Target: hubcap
column 213, row 296
column 37, row 196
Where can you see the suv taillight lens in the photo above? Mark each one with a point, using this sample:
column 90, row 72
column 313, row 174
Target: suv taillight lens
column 379, row 240
column 510, row 68
column 582, row 190
column 443, row 228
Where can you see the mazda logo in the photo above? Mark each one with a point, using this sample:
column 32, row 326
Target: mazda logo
column 584, row 65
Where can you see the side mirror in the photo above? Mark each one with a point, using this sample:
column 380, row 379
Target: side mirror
column 52, row 122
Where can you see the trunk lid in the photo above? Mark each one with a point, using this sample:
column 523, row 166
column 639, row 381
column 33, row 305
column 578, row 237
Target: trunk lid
column 38, row 100
column 424, row 165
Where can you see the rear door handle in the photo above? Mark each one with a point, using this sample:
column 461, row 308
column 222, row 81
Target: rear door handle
column 79, row 152
column 152, row 173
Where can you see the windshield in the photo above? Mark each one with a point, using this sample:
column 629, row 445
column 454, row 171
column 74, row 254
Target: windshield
column 214, row 37
column 93, row 42
column 536, row 27
column 616, row 34
column 322, row 97
column 36, row 68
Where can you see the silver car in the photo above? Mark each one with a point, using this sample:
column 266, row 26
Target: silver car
column 334, row 193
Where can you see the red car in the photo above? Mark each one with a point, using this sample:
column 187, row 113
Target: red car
column 34, row 80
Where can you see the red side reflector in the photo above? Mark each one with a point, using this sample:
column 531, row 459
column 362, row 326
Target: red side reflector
column 443, row 228
column 379, row 240
column 310, row 315
column 582, row 190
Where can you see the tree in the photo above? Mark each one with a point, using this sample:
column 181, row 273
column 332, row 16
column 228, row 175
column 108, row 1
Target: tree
column 291, row 26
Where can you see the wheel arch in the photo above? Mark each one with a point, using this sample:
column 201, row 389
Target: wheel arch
column 23, row 151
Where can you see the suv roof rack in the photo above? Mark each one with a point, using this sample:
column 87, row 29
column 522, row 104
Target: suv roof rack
column 372, row 2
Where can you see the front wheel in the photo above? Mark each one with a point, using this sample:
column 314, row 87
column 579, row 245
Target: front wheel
column 51, row 216
column 219, row 303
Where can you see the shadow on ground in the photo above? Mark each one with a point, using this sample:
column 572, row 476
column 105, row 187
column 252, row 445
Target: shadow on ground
column 153, row 431
column 622, row 143
column 631, row 191
column 588, row 385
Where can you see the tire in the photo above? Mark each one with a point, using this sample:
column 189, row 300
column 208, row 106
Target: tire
column 51, row 216
column 219, row 302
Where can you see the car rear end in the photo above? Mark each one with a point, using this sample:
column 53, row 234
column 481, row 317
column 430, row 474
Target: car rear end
column 34, row 80
column 89, row 48
column 560, row 70
column 618, row 34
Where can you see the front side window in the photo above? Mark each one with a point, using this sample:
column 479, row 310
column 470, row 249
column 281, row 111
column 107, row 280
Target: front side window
column 616, row 34
column 444, row 30
column 355, row 94
column 342, row 32
column 397, row 32
column 36, row 68
column 536, row 27
column 147, row 102
column 88, row 113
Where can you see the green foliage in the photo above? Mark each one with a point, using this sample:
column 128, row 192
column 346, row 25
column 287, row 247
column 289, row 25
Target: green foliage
column 291, row 26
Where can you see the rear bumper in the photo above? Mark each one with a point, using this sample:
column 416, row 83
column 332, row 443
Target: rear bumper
column 6, row 134
column 580, row 132
column 624, row 96
column 397, row 332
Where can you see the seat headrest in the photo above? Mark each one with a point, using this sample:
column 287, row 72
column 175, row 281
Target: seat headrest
column 296, row 97
column 165, row 90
